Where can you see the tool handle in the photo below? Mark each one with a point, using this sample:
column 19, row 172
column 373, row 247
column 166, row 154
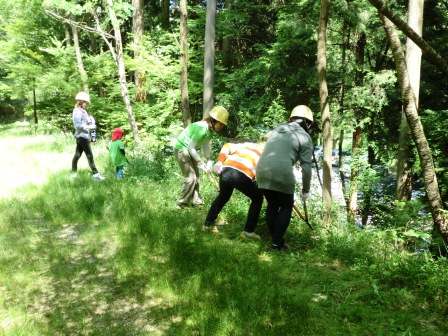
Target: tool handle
column 213, row 180
column 296, row 210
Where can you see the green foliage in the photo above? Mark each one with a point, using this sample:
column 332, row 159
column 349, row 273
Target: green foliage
column 435, row 125
column 155, row 165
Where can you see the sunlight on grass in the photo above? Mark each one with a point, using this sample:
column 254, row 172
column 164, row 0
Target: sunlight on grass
column 33, row 166
column 78, row 257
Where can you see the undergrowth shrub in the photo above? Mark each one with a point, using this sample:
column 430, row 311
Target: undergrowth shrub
column 153, row 164
column 351, row 248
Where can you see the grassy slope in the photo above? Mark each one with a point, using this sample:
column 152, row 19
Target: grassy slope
column 81, row 257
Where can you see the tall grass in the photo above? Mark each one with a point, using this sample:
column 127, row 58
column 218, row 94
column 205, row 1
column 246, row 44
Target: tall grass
column 82, row 257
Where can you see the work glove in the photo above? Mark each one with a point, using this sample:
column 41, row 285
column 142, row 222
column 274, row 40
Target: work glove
column 209, row 165
column 218, row 167
column 202, row 166
column 304, row 195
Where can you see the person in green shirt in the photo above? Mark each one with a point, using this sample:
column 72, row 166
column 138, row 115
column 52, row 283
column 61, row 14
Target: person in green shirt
column 196, row 135
column 117, row 152
column 287, row 144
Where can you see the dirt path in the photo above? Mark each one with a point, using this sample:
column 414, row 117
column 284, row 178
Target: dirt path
column 22, row 154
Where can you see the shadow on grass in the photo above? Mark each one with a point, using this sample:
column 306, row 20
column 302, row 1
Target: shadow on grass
column 114, row 258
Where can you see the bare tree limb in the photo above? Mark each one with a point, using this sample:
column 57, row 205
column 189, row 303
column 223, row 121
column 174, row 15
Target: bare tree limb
column 80, row 25
column 104, row 35
column 427, row 50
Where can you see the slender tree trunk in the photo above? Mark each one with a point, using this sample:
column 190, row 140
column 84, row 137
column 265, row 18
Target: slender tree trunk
column 209, row 57
column 226, row 45
column 166, row 14
column 122, row 72
column 354, row 175
column 325, row 108
column 137, row 29
column 81, row 69
column 345, row 42
column 356, row 138
column 68, row 38
column 417, row 132
column 93, row 43
column 184, row 62
column 413, row 61
column 35, row 105
column 403, row 190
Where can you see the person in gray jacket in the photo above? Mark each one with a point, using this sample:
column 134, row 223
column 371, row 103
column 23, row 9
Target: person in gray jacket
column 287, row 144
column 83, row 125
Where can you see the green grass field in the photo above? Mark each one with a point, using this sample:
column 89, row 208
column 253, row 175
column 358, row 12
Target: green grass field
column 83, row 257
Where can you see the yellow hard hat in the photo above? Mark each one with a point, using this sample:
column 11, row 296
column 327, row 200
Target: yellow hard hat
column 219, row 113
column 83, row 96
column 302, row 111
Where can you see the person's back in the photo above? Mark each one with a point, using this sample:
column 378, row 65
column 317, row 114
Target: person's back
column 243, row 157
column 287, row 144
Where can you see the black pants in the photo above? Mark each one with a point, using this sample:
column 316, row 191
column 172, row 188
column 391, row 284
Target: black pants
column 278, row 214
column 83, row 145
column 229, row 180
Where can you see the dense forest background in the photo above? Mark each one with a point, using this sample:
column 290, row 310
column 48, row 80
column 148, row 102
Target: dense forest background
column 265, row 64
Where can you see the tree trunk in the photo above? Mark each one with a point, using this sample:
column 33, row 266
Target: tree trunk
column 184, row 63
column 325, row 109
column 427, row 50
column 403, row 189
column 35, row 105
column 345, row 43
column 122, row 72
column 226, row 45
column 413, row 61
column 209, row 57
column 417, row 132
column 166, row 14
column 356, row 142
column 68, row 38
column 137, row 29
column 354, row 175
column 81, row 69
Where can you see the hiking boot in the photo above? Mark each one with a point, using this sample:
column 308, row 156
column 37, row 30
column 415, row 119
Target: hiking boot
column 213, row 229
column 252, row 235
column 273, row 247
column 98, row 177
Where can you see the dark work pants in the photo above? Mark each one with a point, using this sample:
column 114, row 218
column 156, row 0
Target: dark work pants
column 229, row 180
column 278, row 214
column 83, row 145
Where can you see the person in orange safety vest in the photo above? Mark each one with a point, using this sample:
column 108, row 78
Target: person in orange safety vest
column 236, row 165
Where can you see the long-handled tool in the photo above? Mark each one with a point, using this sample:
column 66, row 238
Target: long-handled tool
column 299, row 214
column 317, row 170
column 306, row 214
column 213, row 180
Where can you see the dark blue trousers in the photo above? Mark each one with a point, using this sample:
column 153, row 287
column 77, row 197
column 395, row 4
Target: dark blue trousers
column 229, row 180
column 278, row 214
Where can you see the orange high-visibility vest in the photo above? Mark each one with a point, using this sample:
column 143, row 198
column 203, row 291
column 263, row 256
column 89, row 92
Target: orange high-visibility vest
column 242, row 157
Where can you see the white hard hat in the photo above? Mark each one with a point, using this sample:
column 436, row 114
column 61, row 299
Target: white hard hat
column 83, row 96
